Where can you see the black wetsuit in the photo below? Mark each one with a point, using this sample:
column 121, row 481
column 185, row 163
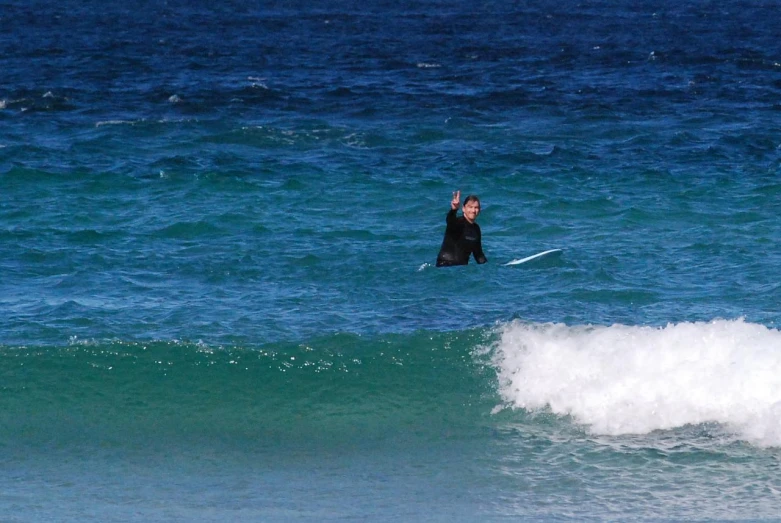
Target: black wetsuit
column 461, row 239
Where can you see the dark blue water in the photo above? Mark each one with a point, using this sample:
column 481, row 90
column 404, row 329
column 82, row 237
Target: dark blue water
column 218, row 226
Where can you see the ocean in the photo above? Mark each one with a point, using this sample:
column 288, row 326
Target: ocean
column 219, row 223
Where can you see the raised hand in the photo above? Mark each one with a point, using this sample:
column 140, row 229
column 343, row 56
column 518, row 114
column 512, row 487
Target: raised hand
column 456, row 200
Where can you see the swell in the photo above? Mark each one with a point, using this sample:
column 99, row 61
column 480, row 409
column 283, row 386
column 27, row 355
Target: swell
column 332, row 389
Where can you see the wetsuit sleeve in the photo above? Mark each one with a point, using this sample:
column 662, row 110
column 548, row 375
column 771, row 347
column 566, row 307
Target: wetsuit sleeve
column 450, row 253
column 479, row 255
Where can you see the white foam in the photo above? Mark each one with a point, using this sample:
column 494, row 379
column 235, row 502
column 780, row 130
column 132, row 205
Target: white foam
column 633, row 380
column 114, row 122
column 258, row 82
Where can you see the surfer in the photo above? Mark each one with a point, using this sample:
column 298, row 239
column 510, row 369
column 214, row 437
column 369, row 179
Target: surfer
column 462, row 235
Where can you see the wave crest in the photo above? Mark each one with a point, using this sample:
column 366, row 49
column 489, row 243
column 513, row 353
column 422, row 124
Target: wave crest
column 633, row 380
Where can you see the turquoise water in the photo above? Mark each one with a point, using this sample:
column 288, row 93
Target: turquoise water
column 218, row 229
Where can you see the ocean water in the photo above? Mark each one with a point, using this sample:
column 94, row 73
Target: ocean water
column 218, row 228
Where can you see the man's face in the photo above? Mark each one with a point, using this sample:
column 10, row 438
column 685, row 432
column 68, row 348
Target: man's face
column 471, row 210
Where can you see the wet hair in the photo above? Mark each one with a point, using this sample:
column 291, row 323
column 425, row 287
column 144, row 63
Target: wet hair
column 472, row 198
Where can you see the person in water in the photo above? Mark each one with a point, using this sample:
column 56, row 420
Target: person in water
column 462, row 235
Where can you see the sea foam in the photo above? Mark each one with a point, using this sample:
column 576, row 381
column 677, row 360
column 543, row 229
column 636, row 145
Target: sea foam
column 632, row 380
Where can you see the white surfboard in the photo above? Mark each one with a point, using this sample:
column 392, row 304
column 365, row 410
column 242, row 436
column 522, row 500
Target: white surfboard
column 539, row 255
